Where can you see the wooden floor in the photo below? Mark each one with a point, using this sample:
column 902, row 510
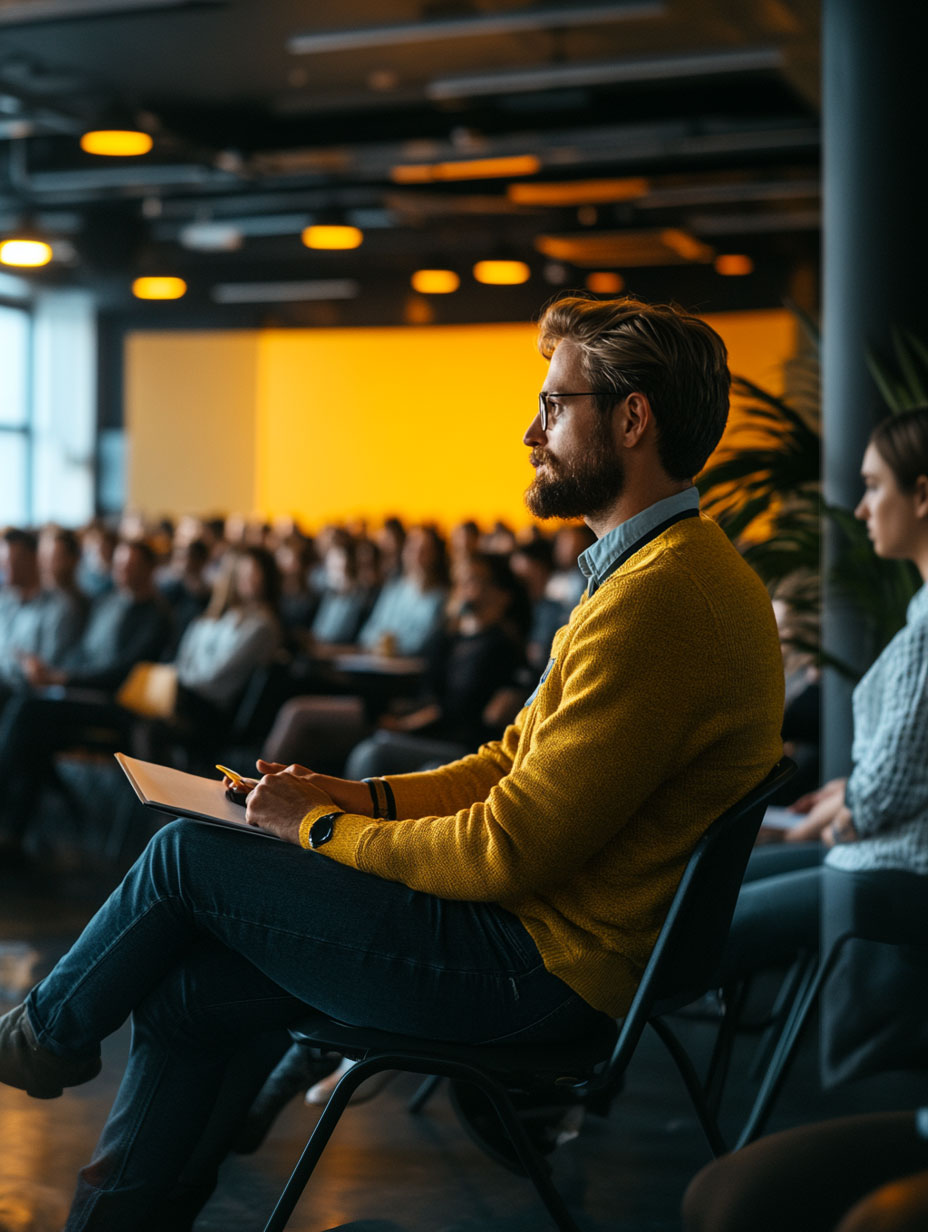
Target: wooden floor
column 385, row 1170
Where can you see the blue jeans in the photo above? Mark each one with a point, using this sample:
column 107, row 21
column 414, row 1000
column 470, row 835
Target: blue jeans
column 214, row 938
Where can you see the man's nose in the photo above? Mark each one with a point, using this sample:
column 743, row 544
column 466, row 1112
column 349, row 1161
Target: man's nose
column 533, row 433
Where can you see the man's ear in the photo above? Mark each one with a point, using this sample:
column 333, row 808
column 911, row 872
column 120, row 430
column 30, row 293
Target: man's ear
column 636, row 418
column 921, row 496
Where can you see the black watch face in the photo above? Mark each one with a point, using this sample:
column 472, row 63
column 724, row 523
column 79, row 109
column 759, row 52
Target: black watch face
column 322, row 830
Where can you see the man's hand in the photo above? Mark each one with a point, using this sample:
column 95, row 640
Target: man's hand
column 281, row 800
column 348, row 794
column 38, row 673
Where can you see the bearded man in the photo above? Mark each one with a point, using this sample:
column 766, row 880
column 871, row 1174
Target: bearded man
column 515, row 894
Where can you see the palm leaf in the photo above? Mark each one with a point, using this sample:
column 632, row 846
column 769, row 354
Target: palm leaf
column 909, row 369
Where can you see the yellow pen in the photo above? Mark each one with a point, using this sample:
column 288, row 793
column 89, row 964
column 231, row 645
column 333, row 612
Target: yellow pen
column 236, row 778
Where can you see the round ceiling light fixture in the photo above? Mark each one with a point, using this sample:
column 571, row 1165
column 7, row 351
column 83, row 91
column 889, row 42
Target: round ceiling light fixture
column 116, row 142
column 160, row 287
column 502, row 273
column 435, row 281
column 25, row 253
column 332, row 236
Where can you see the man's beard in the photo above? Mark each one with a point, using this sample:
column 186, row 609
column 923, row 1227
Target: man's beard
column 581, row 487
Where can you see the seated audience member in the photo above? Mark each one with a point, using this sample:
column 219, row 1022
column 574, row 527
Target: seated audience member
column 500, row 541
column 469, row 662
column 409, row 609
column 802, row 707
column 345, row 601
column 296, row 557
column 126, row 625
column 184, row 583
column 568, row 583
column 533, row 564
column 239, row 632
column 98, row 547
column 41, row 610
column 463, row 544
column 390, row 539
column 878, row 818
column 515, row 894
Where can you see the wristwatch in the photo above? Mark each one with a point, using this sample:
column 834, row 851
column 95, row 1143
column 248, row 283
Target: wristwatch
column 322, row 830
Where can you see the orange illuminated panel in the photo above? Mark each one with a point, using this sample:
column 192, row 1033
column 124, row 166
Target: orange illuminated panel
column 466, row 169
column 733, row 264
column 686, row 246
column 605, row 282
column 578, row 192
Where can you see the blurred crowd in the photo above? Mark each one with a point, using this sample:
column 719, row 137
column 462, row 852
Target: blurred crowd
column 408, row 643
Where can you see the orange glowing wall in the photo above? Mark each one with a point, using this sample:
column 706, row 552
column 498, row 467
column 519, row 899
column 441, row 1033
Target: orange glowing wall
column 333, row 424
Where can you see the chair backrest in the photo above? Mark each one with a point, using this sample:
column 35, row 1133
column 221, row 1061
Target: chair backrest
column 689, row 947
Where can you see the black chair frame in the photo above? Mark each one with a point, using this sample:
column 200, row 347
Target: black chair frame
column 590, row 1071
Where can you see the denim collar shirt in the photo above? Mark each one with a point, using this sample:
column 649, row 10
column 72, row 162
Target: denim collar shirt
column 605, row 555
column 887, row 792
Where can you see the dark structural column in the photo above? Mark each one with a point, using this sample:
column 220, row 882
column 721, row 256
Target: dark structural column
column 875, row 140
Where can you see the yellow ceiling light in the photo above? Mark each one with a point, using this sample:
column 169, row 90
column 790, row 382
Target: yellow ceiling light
column 435, row 281
column 25, row 253
column 116, row 142
column 159, row 288
column 605, row 282
column 466, row 169
column 332, row 235
column 733, row 264
column 578, row 192
column 502, row 273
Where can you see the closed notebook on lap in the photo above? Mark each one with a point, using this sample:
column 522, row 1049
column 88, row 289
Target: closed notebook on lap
column 186, row 795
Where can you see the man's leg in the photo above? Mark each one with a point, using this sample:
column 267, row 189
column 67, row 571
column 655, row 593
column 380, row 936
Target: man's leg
column 214, row 936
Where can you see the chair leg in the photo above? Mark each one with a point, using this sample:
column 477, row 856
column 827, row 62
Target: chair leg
column 424, row 1093
column 782, row 1054
column 691, row 1080
column 790, row 991
column 734, row 998
column 535, row 1167
column 318, row 1140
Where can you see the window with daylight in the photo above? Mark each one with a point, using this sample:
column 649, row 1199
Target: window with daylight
column 15, row 427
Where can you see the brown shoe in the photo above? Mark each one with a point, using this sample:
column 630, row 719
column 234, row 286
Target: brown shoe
column 25, row 1064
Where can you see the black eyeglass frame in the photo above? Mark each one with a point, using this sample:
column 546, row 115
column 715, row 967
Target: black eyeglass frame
column 584, row 393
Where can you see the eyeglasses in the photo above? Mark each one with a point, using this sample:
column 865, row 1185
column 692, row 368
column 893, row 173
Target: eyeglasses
column 545, row 412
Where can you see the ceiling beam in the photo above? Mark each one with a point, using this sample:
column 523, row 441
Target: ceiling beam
column 26, row 12
column 609, row 72
column 516, row 21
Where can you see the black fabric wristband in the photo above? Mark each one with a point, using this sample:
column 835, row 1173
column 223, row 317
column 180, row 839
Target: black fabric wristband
column 375, row 803
column 382, row 799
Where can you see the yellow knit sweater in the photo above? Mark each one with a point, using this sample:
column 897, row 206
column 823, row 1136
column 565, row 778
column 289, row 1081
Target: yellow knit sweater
column 661, row 709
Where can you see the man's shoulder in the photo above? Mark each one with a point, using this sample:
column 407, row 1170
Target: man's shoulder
column 690, row 567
